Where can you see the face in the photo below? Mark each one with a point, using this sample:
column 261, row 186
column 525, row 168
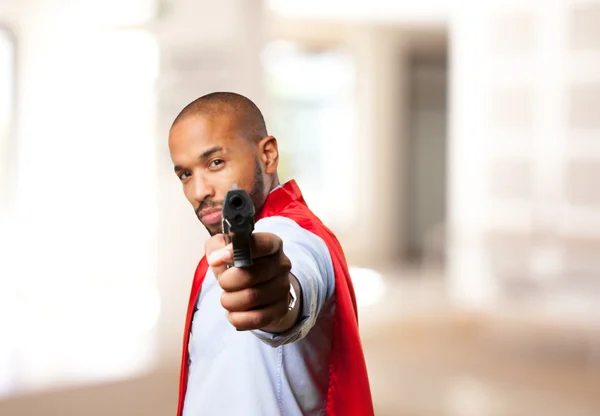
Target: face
column 210, row 154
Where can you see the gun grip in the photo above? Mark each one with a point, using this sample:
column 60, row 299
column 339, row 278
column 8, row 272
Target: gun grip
column 242, row 255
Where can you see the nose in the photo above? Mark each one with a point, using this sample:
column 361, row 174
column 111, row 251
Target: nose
column 200, row 189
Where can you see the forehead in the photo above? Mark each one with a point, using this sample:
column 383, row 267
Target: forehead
column 204, row 131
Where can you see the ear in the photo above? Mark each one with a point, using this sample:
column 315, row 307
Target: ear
column 269, row 154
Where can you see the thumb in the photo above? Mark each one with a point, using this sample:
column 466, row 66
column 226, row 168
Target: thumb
column 218, row 251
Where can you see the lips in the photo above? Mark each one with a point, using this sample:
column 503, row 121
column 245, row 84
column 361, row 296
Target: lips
column 210, row 216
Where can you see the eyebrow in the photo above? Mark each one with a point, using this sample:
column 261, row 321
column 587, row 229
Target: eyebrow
column 206, row 154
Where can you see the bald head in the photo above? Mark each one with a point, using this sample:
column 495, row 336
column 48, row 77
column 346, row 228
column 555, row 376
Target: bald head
column 217, row 141
column 246, row 115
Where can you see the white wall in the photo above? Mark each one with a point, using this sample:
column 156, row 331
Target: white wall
column 524, row 159
column 103, row 245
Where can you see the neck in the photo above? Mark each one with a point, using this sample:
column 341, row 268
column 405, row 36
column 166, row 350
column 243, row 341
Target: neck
column 274, row 182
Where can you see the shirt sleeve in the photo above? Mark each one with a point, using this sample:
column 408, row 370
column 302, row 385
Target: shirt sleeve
column 313, row 268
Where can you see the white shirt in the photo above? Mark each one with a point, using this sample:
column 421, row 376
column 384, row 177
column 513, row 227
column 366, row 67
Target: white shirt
column 246, row 373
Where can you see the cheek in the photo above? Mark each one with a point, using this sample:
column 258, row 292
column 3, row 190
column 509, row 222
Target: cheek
column 242, row 176
column 221, row 182
column 188, row 192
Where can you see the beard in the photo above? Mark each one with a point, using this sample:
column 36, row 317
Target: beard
column 256, row 193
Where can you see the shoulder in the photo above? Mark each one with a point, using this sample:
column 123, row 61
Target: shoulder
column 291, row 233
column 306, row 249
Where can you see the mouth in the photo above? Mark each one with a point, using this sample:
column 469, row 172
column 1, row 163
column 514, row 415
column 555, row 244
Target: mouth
column 210, row 216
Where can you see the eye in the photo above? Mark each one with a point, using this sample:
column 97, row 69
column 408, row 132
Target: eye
column 215, row 164
column 183, row 176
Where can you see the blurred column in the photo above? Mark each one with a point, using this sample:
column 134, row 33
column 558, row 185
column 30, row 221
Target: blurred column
column 381, row 75
column 205, row 46
column 470, row 279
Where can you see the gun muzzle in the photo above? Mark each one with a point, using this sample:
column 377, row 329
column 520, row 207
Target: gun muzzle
column 238, row 223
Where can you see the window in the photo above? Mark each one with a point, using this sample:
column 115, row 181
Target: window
column 78, row 299
column 311, row 107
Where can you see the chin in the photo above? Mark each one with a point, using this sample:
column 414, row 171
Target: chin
column 213, row 229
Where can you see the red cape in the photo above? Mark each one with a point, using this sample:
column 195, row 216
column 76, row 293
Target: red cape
column 349, row 392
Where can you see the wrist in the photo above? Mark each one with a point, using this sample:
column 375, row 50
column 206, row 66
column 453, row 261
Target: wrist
column 294, row 308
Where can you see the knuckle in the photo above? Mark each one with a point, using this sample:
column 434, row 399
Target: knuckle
column 224, row 279
column 234, row 320
column 253, row 295
column 285, row 264
column 225, row 300
column 239, row 320
column 261, row 320
column 278, row 242
column 254, row 320
column 232, row 279
column 283, row 286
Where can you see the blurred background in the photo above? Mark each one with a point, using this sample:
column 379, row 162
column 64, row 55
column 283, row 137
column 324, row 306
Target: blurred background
column 453, row 147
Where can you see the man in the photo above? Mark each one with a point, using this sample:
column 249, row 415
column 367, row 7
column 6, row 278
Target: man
column 280, row 337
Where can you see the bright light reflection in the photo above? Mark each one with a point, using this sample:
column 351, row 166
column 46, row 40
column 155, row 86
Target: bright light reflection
column 77, row 288
column 369, row 286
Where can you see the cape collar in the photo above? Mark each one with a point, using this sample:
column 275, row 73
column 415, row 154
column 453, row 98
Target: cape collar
column 281, row 197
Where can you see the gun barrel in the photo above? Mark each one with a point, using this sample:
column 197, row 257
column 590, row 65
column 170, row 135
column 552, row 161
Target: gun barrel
column 238, row 223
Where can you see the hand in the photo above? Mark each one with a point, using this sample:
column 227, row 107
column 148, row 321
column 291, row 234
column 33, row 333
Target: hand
column 256, row 297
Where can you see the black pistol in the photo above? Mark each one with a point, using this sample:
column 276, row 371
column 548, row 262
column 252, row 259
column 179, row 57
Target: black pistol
column 238, row 224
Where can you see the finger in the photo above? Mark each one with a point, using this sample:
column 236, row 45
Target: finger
column 259, row 318
column 256, row 297
column 220, row 257
column 262, row 270
column 215, row 243
column 264, row 244
column 218, row 253
column 215, row 246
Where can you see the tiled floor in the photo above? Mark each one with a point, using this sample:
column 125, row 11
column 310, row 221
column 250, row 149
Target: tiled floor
column 424, row 357
column 427, row 359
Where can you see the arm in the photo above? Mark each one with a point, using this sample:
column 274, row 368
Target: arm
column 311, row 273
column 293, row 315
